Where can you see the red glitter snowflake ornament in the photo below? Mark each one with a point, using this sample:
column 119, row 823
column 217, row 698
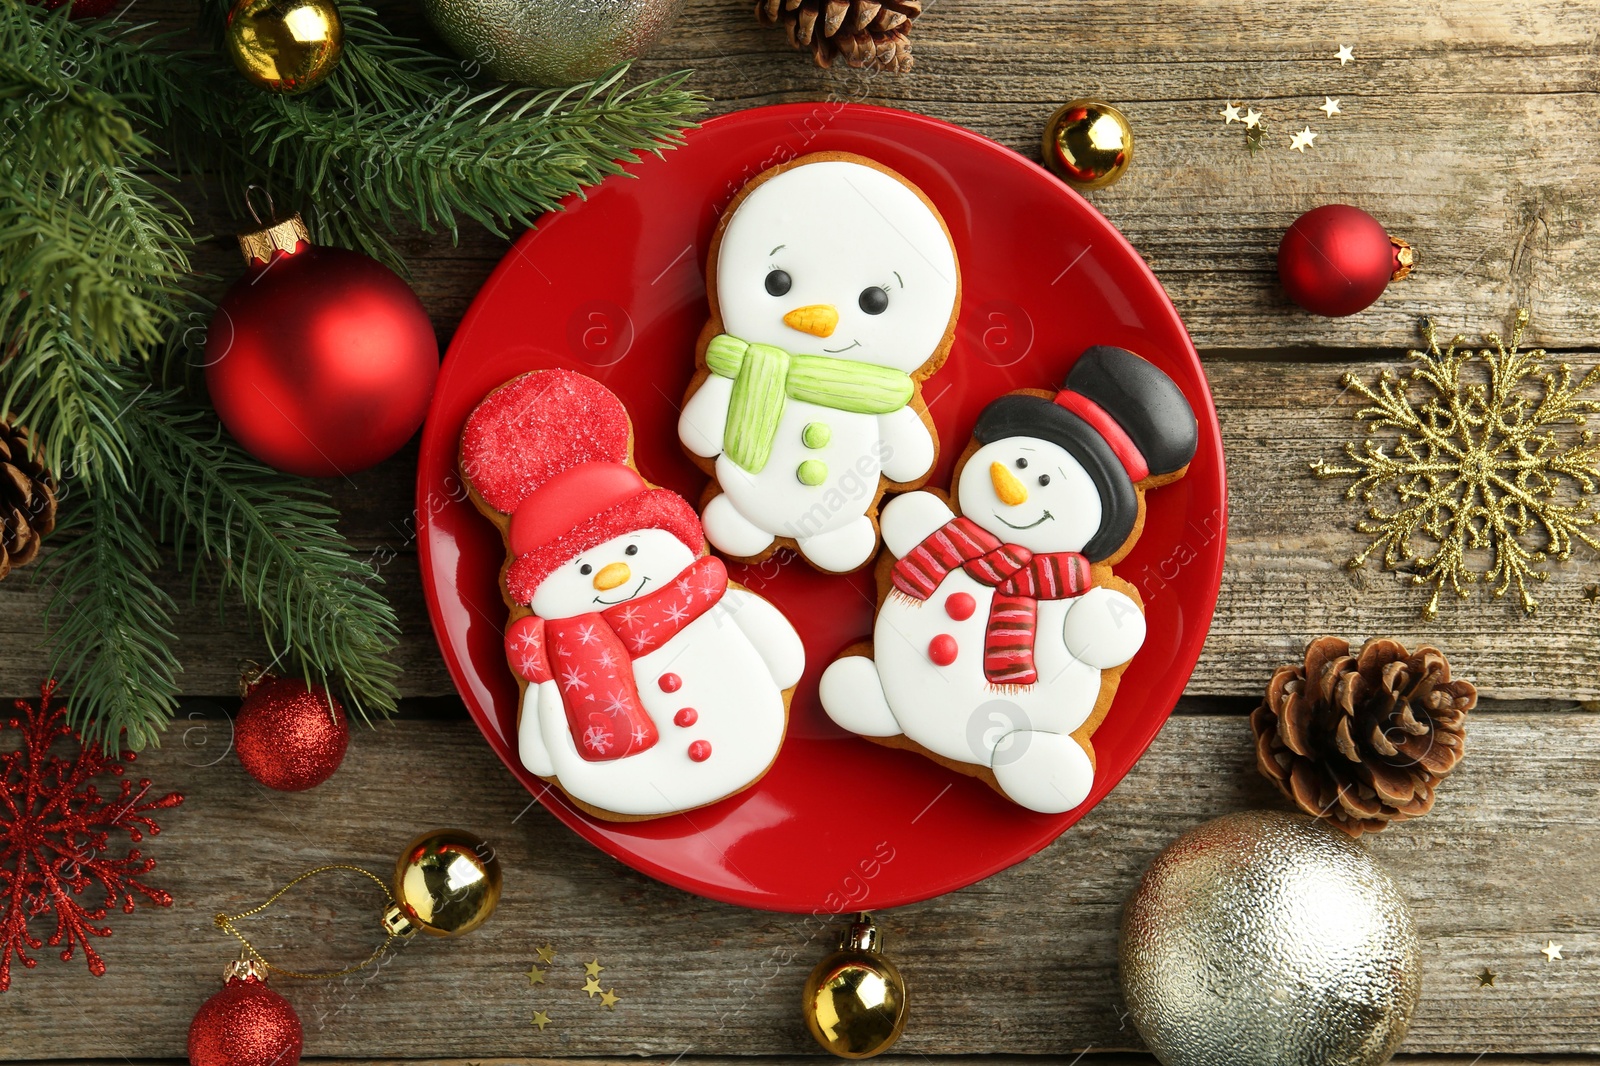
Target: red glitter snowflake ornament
column 55, row 829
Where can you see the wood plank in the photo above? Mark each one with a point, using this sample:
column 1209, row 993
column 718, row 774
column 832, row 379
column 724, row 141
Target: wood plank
column 1285, row 579
column 1022, row 963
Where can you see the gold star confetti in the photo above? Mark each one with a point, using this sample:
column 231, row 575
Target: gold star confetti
column 534, row 975
column 1346, row 54
column 541, row 1019
column 1489, row 463
column 547, row 954
column 1303, row 140
column 1486, row 978
column 1230, row 114
column 609, row 999
column 1254, row 138
column 1591, row 593
column 1330, row 106
column 1551, row 951
column 1252, row 119
column 593, row 968
column 591, row 986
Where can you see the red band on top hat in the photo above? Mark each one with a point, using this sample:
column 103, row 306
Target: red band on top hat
column 1122, row 445
column 568, row 499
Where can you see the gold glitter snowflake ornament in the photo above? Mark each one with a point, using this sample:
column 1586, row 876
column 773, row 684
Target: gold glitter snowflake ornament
column 1483, row 469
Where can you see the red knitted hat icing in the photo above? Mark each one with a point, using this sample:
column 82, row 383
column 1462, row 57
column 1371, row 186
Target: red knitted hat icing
column 543, row 424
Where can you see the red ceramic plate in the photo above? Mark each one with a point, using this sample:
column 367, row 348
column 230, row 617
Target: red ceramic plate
column 613, row 286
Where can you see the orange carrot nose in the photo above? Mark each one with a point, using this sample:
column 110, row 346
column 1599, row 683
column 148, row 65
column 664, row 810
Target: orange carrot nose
column 819, row 320
column 1006, row 486
column 611, row 575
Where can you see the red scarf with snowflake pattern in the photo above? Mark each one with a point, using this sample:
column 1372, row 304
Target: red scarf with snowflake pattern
column 1020, row 579
column 590, row 657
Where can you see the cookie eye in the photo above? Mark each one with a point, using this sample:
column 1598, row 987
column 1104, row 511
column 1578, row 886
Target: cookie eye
column 1022, row 464
column 633, row 549
column 585, row 569
column 874, row 300
column 1044, row 479
column 779, row 283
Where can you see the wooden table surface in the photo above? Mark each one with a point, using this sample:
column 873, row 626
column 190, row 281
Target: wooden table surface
column 1471, row 128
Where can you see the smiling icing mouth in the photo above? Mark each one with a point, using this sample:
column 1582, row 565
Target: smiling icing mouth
column 1047, row 516
column 846, row 348
column 643, row 581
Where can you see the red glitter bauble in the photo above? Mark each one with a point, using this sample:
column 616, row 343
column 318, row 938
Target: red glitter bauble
column 81, row 9
column 290, row 736
column 245, row 1024
column 1336, row 260
column 320, row 361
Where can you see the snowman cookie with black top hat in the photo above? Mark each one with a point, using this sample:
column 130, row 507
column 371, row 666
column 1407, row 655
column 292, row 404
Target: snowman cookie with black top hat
column 834, row 293
column 1002, row 632
column 649, row 683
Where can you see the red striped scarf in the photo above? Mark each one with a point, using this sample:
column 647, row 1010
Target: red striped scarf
column 1020, row 580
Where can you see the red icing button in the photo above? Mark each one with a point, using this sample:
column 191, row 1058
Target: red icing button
column 700, row 750
column 670, row 682
column 942, row 649
column 687, row 717
column 960, row 606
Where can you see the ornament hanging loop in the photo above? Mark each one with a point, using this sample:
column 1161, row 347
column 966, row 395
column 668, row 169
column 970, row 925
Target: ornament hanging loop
column 225, row 922
column 272, row 212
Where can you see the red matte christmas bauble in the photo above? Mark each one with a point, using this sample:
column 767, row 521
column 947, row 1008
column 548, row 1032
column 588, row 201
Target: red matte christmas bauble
column 245, row 1024
column 1337, row 259
column 290, row 736
column 320, row 361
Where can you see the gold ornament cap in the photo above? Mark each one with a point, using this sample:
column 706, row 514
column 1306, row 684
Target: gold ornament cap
column 257, row 245
column 245, row 968
column 1088, row 144
column 446, row 883
column 1404, row 259
column 855, row 1000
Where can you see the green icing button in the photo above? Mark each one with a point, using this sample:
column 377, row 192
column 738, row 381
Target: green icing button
column 813, row 471
column 816, row 435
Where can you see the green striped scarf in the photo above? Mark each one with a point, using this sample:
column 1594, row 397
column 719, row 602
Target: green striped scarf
column 765, row 377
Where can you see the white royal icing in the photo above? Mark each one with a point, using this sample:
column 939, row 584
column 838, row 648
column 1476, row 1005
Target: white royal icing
column 1021, row 734
column 734, row 663
column 880, row 233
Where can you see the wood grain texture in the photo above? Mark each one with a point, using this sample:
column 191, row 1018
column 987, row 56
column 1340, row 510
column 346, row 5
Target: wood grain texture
column 1022, row 963
column 1285, row 579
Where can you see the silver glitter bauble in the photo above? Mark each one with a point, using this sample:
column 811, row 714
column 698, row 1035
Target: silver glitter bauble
column 1269, row 939
column 550, row 42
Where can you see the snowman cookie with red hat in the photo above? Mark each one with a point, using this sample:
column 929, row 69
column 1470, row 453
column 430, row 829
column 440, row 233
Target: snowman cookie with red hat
column 1002, row 632
column 650, row 683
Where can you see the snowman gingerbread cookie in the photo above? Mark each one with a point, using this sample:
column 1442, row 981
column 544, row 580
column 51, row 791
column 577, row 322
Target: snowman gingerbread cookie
column 834, row 293
column 649, row 683
column 1002, row 632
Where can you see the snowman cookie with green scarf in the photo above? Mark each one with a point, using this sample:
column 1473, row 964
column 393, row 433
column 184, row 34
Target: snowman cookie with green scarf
column 834, row 294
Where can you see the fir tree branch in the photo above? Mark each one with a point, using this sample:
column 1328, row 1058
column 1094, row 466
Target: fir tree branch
column 276, row 542
column 114, row 633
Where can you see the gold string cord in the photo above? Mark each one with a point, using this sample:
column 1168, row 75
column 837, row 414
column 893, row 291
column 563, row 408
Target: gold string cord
column 225, row 923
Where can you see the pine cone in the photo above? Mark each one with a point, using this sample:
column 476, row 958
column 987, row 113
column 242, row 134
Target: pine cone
column 865, row 33
column 1362, row 740
column 27, row 499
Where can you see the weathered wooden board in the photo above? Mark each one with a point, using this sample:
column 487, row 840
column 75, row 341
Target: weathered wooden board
column 1023, row 963
column 1289, row 538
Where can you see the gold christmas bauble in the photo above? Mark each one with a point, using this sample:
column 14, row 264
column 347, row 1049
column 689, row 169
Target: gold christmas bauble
column 1088, row 143
column 446, row 883
column 1264, row 938
column 285, row 46
column 855, row 999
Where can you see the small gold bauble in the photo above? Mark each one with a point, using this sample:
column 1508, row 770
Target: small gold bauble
column 446, row 883
column 855, row 1000
column 1088, row 143
column 285, row 46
